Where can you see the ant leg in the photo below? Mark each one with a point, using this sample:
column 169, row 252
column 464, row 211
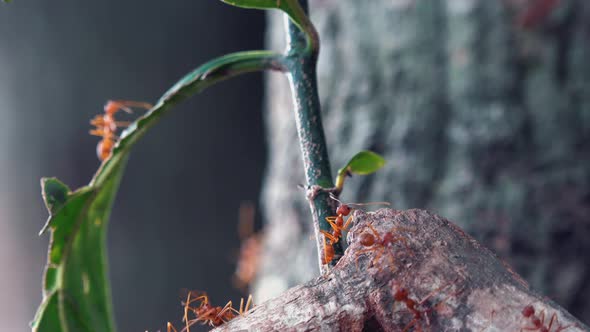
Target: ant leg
column 375, row 233
column 434, row 292
column 113, row 105
column 410, row 324
column 170, row 328
column 187, row 308
column 553, row 317
column 203, row 302
column 377, row 257
column 98, row 121
column 329, row 236
column 347, row 223
column 138, row 104
column 189, row 324
column 542, row 318
column 333, row 224
column 228, row 307
column 97, row 132
column 248, row 303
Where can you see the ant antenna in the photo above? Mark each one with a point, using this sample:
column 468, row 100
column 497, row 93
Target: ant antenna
column 370, row 203
column 332, row 196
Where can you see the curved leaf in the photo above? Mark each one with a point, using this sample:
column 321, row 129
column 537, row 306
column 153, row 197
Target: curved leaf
column 76, row 291
column 255, row 4
column 76, row 288
column 290, row 7
column 364, row 162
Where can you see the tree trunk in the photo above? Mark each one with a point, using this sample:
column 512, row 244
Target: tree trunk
column 430, row 276
column 482, row 109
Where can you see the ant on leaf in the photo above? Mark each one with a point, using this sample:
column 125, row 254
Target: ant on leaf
column 106, row 125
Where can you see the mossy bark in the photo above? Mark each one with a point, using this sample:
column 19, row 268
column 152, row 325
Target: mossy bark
column 483, row 119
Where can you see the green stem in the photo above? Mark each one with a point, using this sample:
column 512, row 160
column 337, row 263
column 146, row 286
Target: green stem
column 298, row 11
column 302, row 77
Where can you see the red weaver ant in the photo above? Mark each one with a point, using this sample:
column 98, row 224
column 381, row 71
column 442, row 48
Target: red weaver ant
column 539, row 322
column 106, row 125
column 328, row 252
column 402, row 295
column 209, row 314
column 338, row 226
column 376, row 242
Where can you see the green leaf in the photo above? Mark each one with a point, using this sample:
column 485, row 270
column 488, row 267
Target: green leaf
column 364, row 162
column 76, row 290
column 290, row 7
column 255, row 4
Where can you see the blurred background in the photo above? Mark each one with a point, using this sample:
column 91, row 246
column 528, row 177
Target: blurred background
column 174, row 223
column 482, row 109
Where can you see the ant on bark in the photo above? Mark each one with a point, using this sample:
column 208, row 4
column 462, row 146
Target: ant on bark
column 207, row 313
column 539, row 321
column 374, row 242
column 106, row 125
column 337, row 222
column 328, row 252
column 338, row 225
column 402, row 295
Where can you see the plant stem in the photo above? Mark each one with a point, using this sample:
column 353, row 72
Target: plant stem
column 302, row 57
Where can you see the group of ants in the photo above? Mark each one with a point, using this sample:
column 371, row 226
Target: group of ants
column 197, row 304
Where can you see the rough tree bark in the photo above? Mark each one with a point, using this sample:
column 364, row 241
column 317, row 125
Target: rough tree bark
column 483, row 119
column 459, row 285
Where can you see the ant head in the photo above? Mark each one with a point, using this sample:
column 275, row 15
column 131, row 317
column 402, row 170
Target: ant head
column 528, row 311
column 343, row 209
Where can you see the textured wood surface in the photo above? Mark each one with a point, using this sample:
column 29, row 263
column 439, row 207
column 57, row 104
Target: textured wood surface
column 481, row 119
column 463, row 285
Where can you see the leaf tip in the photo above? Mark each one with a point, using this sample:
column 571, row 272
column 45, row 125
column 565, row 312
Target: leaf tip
column 55, row 193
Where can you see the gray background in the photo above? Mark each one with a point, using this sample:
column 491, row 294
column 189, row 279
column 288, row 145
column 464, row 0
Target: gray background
column 174, row 220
